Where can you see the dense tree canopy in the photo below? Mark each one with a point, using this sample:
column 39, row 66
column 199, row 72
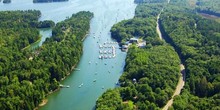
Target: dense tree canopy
column 137, row 27
column 148, row 10
column 197, row 41
column 194, row 38
column 150, row 74
column 141, row 26
column 149, row 79
column 27, row 77
column 208, row 6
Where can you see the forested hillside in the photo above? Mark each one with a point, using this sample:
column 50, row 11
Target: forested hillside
column 141, row 26
column 197, row 41
column 27, row 77
column 148, row 81
column 137, row 27
column 16, row 31
column 194, row 38
column 150, row 74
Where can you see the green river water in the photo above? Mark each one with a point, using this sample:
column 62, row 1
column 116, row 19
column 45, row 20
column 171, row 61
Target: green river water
column 106, row 72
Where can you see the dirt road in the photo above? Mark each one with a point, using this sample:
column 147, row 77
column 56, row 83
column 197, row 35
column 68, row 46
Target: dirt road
column 181, row 81
column 179, row 86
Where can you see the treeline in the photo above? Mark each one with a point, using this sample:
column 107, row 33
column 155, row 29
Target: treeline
column 47, row 1
column 19, row 28
column 148, row 82
column 151, row 12
column 27, row 77
column 141, row 26
column 43, row 24
column 19, row 20
column 137, row 27
column 211, row 7
column 197, row 41
column 16, row 31
column 150, row 74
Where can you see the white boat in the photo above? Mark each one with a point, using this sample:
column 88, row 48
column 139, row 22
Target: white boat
column 79, row 86
column 77, row 69
column 117, row 83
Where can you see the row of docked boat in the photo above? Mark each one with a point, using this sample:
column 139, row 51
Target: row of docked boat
column 104, row 46
column 107, row 54
column 107, row 50
column 110, row 42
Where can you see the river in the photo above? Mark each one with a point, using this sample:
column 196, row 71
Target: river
column 106, row 72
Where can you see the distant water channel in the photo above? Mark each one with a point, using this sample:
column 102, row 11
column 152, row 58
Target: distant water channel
column 94, row 75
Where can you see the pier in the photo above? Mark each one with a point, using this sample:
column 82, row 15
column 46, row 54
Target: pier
column 107, row 50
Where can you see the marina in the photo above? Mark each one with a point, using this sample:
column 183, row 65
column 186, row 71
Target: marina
column 107, row 50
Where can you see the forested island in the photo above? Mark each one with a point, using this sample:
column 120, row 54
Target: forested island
column 28, row 76
column 195, row 39
column 48, row 1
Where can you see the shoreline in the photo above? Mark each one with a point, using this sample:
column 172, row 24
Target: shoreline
column 87, row 33
column 45, row 100
column 28, row 47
